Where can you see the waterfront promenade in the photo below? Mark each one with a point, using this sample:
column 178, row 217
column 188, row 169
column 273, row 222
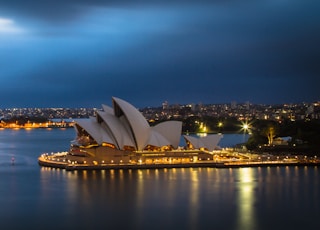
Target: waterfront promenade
column 222, row 160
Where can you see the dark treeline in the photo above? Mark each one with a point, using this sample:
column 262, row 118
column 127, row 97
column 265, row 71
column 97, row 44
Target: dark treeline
column 305, row 136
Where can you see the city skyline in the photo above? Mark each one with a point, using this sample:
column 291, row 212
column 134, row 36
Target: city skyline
column 167, row 104
column 72, row 55
column 240, row 111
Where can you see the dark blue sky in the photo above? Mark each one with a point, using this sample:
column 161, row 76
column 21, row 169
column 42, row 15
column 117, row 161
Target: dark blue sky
column 81, row 53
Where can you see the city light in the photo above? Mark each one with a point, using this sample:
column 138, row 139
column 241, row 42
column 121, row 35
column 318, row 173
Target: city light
column 246, row 127
column 203, row 128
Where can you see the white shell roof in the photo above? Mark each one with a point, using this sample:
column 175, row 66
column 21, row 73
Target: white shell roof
column 209, row 142
column 107, row 109
column 139, row 126
column 171, row 130
column 197, row 144
column 91, row 128
column 156, row 139
column 117, row 129
column 124, row 125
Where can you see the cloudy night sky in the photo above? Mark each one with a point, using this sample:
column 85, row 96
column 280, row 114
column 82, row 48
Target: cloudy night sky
column 81, row 53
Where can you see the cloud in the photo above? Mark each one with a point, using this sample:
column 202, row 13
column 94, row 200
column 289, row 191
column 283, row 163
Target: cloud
column 163, row 49
column 8, row 26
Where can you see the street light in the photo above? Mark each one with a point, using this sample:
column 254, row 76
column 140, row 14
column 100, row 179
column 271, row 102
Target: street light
column 220, row 124
column 246, row 129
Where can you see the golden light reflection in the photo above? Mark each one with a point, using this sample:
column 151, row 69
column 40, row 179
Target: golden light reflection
column 140, row 187
column 84, row 174
column 246, row 199
column 305, row 170
column 245, row 175
column 112, row 174
column 50, row 177
column 103, row 174
column 156, row 173
column 194, row 195
column 296, row 171
column 287, row 169
column 121, row 175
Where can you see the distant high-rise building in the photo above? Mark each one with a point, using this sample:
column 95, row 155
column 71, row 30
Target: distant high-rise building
column 247, row 105
column 233, row 105
column 165, row 105
column 193, row 107
column 310, row 109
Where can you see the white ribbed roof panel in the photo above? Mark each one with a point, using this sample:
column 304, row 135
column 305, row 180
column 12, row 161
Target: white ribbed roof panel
column 91, row 127
column 139, row 125
column 156, row 139
column 107, row 109
column 106, row 137
column 94, row 130
column 119, row 132
column 211, row 141
column 197, row 144
column 171, row 130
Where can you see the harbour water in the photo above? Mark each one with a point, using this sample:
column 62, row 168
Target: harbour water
column 201, row 198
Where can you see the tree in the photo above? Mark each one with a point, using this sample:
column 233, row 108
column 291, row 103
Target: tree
column 270, row 133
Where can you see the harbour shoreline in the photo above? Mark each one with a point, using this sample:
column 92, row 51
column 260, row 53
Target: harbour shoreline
column 204, row 164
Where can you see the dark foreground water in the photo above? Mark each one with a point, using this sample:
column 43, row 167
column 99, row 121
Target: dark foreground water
column 203, row 198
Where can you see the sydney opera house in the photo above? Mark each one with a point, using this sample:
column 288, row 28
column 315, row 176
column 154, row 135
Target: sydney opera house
column 120, row 135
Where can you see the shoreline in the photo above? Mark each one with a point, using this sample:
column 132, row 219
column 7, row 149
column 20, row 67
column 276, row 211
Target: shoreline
column 206, row 164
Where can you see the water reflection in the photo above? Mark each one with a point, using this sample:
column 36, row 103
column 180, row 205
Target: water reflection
column 194, row 198
column 243, row 198
column 246, row 199
column 275, row 198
